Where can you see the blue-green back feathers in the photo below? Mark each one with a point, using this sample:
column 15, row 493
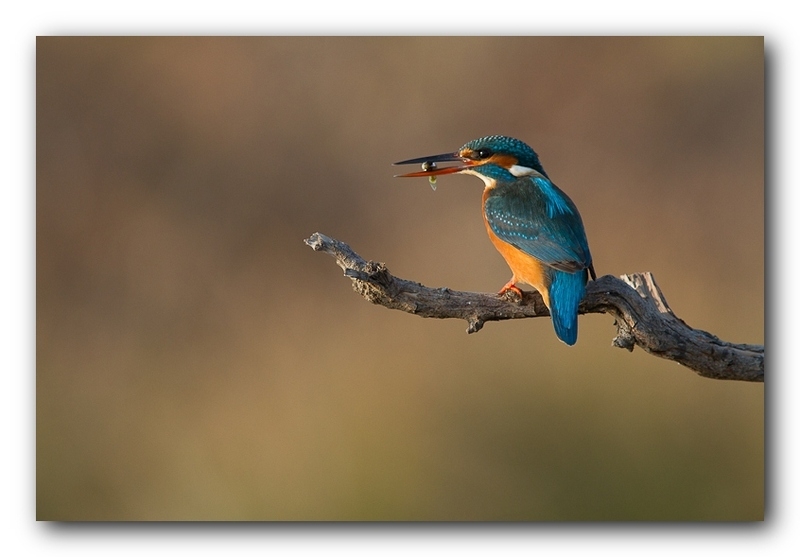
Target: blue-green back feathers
column 532, row 214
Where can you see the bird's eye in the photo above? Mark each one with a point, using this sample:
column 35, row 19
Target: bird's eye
column 484, row 153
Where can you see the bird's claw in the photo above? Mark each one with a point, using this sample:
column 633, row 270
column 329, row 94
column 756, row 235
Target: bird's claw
column 511, row 292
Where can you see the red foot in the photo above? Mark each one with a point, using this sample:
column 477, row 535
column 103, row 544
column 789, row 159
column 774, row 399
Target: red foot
column 512, row 287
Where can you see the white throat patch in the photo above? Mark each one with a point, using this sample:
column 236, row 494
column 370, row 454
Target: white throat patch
column 518, row 170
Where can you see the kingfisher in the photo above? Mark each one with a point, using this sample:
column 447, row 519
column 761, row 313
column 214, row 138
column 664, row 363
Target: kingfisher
column 533, row 224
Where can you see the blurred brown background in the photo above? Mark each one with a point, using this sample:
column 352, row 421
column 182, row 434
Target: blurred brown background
column 195, row 360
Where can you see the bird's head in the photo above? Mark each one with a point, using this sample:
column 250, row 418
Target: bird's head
column 495, row 157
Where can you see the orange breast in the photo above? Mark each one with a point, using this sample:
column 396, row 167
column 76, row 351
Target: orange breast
column 524, row 267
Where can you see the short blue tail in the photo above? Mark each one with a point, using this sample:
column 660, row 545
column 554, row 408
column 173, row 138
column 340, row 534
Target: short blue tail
column 566, row 292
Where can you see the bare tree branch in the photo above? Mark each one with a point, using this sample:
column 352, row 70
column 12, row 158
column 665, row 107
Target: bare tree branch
column 641, row 313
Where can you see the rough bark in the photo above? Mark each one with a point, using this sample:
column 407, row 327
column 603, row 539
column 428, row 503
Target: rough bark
column 642, row 316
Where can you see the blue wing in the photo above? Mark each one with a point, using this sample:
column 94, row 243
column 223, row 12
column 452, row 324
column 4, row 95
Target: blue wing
column 532, row 214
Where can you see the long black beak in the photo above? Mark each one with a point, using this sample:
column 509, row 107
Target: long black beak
column 429, row 165
column 445, row 157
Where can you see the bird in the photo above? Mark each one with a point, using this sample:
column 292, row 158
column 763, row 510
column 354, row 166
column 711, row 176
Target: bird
column 532, row 223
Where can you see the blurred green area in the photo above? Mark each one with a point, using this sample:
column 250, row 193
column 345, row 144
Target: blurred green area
column 195, row 360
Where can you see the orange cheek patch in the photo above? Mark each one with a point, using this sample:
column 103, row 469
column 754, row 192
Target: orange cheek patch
column 506, row 161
